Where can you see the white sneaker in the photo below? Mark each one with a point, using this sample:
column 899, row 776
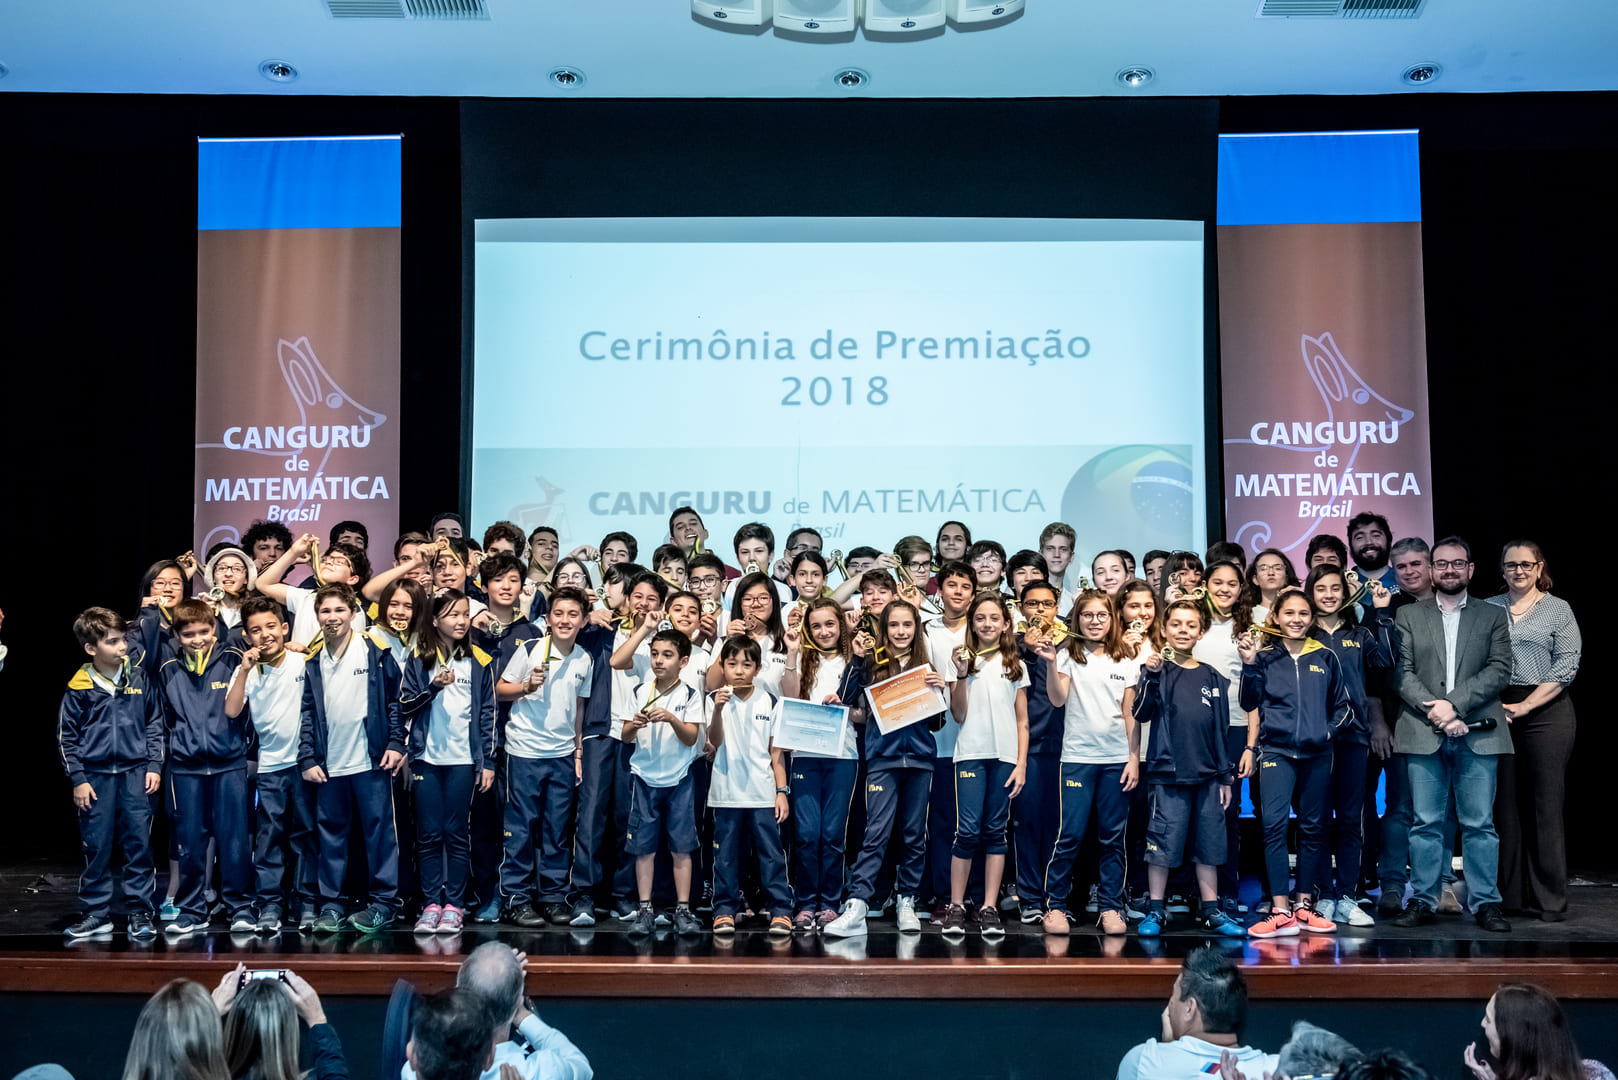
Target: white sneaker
column 906, row 916
column 1326, row 909
column 1352, row 914
column 851, row 923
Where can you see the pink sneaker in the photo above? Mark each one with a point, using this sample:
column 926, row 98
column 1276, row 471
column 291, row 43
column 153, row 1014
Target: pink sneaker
column 1275, row 924
column 1313, row 921
column 428, row 922
column 450, row 922
column 804, row 922
column 825, row 916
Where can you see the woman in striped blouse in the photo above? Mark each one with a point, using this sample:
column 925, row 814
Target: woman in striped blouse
column 1529, row 800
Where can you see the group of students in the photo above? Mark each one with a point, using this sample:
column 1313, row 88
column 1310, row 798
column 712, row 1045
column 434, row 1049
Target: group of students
column 502, row 740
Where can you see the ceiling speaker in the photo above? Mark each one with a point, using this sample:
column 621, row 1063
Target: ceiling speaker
column 734, row 12
column 816, row 16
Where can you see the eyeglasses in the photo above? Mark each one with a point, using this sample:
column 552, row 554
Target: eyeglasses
column 704, row 579
column 1518, row 567
column 1094, row 616
column 1451, row 564
column 569, row 579
column 756, row 600
column 1039, row 603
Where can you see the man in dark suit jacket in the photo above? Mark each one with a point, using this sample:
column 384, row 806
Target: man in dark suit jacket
column 1454, row 659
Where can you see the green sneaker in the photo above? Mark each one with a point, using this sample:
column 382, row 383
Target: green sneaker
column 369, row 920
column 329, row 922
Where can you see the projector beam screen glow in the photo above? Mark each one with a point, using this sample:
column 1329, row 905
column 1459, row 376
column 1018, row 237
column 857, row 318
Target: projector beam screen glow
column 868, row 377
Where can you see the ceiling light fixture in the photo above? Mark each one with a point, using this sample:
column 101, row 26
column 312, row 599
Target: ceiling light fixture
column 567, row 78
column 851, row 79
column 1134, row 77
column 832, row 20
column 1421, row 74
column 278, row 71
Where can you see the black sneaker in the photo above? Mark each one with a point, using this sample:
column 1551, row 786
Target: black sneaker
column 642, row 922
column 705, row 900
column 525, row 915
column 306, row 918
column 557, row 914
column 244, row 921
column 686, row 922
column 584, row 912
column 328, row 922
column 953, row 924
column 1392, row 901
column 142, row 925
column 989, row 924
column 370, row 920
column 269, row 920
column 183, row 925
column 1419, row 913
column 90, row 926
column 625, row 910
column 1490, row 917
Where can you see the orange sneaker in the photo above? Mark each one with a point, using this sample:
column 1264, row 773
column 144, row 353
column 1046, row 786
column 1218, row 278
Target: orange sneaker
column 1056, row 922
column 1112, row 923
column 780, row 926
column 724, row 924
column 1276, row 924
column 1313, row 921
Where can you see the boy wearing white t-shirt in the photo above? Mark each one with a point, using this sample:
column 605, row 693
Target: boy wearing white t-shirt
column 547, row 683
column 270, row 684
column 351, row 744
column 339, row 564
column 749, row 789
column 666, row 730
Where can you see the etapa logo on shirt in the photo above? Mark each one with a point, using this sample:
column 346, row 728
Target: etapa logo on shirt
column 1115, row 677
column 1208, row 694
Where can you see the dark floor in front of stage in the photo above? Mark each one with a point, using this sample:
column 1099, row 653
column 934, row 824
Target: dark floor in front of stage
column 38, row 900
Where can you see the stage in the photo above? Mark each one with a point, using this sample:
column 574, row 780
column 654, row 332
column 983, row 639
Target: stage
column 1417, row 988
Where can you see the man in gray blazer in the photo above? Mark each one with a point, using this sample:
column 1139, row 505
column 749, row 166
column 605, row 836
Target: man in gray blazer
column 1454, row 659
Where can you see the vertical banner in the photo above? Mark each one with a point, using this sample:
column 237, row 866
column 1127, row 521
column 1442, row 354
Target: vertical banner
column 298, row 245
column 1322, row 336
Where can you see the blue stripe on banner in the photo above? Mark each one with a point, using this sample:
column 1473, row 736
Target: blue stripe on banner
column 1311, row 178
column 314, row 183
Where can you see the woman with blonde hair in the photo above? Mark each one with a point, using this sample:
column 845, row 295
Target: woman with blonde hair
column 261, row 1031
column 177, row 1037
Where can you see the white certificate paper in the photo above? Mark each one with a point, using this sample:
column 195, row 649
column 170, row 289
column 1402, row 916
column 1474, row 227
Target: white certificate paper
column 818, row 729
column 904, row 699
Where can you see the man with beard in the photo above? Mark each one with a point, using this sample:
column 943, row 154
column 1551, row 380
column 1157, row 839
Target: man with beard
column 1454, row 659
column 1386, row 855
column 1368, row 540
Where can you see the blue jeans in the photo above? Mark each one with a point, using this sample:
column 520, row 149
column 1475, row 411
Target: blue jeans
column 1471, row 777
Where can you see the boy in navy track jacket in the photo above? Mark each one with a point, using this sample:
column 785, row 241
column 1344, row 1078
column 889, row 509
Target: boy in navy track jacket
column 351, row 743
column 110, row 730
column 208, row 794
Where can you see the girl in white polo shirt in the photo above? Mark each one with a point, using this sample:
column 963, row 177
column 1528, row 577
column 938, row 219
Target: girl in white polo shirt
column 1091, row 678
column 449, row 696
column 990, row 701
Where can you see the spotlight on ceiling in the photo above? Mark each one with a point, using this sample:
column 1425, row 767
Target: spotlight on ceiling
column 1421, row 74
column 567, row 78
column 1134, row 77
column 851, row 79
column 278, row 71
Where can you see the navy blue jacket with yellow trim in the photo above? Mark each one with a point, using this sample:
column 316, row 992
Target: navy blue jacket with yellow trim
column 1365, row 652
column 384, row 721
column 102, row 732
column 1302, row 700
column 503, row 647
column 202, row 739
column 419, row 690
column 151, row 638
column 912, row 747
column 1189, row 715
column 1046, row 722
